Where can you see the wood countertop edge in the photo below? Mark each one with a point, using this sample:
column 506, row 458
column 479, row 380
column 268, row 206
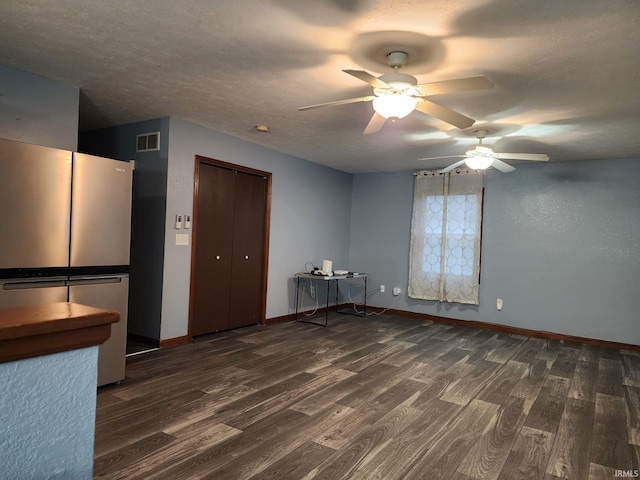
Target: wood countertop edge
column 44, row 329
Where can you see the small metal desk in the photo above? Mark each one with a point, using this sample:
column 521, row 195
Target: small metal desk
column 330, row 281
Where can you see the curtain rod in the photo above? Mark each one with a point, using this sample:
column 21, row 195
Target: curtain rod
column 436, row 173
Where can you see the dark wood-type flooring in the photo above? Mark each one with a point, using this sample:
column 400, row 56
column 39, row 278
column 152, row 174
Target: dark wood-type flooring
column 382, row 397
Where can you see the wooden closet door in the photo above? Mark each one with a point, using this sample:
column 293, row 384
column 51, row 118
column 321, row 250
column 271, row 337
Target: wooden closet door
column 248, row 249
column 214, row 249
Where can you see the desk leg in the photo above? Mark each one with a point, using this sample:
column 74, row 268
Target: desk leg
column 297, row 290
column 326, row 312
column 365, row 296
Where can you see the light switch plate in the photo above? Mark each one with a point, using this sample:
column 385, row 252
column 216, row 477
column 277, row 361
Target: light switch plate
column 182, row 239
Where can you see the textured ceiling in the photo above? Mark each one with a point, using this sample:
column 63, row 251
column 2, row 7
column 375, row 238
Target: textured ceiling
column 566, row 73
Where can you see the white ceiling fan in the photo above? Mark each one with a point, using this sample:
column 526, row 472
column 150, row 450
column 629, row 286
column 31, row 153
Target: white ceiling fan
column 396, row 95
column 481, row 157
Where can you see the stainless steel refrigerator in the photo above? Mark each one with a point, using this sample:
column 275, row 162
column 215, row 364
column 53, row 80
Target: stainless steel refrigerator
column 65, row 236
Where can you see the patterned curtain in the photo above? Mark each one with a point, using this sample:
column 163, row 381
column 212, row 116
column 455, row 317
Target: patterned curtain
column 445, row 237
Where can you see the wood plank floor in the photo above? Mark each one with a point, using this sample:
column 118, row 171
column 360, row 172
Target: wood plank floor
column 382, row 397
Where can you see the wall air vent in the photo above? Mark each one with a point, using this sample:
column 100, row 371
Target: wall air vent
column 148, row 142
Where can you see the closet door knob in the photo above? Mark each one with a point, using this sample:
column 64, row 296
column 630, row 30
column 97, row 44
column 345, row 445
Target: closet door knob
column 217, row 257
column 246, row 257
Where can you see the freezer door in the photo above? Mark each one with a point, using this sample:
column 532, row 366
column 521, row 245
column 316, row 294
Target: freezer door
column 101, row 214
column 35, row 197
column 110, row 294
column 15, row 294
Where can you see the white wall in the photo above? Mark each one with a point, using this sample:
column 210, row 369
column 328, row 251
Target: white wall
column 560, row 246
column 310, row 217
column 37, row 110
column 47, row 413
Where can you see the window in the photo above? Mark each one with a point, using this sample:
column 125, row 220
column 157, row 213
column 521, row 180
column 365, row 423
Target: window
column 445, row 237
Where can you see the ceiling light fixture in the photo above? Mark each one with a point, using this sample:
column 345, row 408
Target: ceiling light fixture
column 395, row 100
column 479, row 163
column 479, row 157
column 394, row 105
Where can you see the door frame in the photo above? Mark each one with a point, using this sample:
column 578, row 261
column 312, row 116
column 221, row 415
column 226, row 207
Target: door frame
column 194, row 225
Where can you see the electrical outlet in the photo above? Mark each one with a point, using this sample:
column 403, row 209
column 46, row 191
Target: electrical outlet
column 396, row 291
column 381, row 288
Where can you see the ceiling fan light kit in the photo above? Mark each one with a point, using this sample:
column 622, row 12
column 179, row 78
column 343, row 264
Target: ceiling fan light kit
column 479, row 163
column 394, row 105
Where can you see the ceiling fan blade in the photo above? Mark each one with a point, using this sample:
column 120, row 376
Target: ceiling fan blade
column 446, row 156
column 339, row 102
column 453, row 86
column 536, row 157
column 443, row 113
column 451, row 167
column 503, row 167
column 375, row 124
column 367, row 78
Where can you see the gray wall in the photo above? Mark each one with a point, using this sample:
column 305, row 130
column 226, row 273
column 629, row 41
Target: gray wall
column 310, row 217
column 37, row 110
column 561, row 247
column 147, row 218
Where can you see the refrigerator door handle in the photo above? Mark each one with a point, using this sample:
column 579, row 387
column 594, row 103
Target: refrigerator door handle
column 94, row 280
column 28, row 285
